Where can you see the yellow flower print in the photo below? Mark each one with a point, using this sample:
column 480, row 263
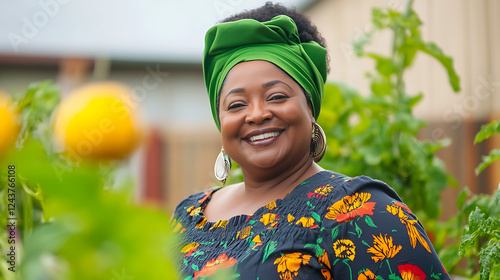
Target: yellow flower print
column 178, row 227
column 383, row 248
column 289, row 264
column 220, row 224
column 244, row 233
column 190, row 248
column 271, row 205
column 321, row 192
column 270, row 220
column 351, row 206
column 307, row 222
column 193, row 211
column 396, row 209
column 290, row 218
column 257, row 241
column 201, row 223
column 344, row 248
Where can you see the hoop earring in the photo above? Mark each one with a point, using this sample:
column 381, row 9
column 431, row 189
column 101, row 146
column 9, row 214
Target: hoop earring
column 222, row 166
column 318, row 143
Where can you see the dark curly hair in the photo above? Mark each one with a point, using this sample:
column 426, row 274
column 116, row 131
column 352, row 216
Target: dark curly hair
column 307, row 30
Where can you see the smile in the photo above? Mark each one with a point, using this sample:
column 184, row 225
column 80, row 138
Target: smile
column 263, row 136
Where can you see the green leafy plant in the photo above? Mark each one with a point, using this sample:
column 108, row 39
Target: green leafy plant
column 377, row 134
column 481, row 237
column 75, row 220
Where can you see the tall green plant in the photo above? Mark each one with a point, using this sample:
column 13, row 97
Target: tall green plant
column 377, row 135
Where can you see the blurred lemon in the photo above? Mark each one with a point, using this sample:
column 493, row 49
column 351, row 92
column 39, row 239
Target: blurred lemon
column 9, row 124
column 97, row 121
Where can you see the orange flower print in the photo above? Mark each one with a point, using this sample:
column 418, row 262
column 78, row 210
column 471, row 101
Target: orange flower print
column 411, row 272
column 323, row 259
column 244, row 233
column 383, row 248
column 190, row 248
column 207, row 195
column 289, row 264
column 396, row 209
column 366, row 275
column 326, row 273
column 222, row 261
column 270, row 220
column 307, row 222
column 351, row 206
column 321, row 192
column 344, row 248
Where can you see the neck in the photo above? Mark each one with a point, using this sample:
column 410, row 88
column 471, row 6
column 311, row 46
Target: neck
column 277, row 183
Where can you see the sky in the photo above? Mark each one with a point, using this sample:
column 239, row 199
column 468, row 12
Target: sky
column 147, row 30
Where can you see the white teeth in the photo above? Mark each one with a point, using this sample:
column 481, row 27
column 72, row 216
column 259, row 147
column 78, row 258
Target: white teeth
column 264, row 136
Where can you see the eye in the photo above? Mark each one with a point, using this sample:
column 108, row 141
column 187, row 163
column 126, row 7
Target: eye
column 278, row 96
column 235, row 105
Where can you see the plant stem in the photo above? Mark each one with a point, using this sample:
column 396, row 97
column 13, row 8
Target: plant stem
column 399, row 63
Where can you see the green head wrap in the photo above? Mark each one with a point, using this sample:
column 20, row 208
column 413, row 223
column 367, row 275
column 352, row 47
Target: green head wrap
column 276, row 41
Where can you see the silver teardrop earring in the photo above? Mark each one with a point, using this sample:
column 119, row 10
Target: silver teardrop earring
column 222, row 166
column 318, row 143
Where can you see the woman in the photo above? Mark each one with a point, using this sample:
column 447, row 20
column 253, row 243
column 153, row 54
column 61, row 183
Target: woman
column 289, row 219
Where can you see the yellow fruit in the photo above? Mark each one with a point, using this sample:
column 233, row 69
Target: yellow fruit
column 97, row 121
column 9, row 124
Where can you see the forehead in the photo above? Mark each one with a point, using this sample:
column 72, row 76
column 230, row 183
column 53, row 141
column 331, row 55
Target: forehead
column 256, row 71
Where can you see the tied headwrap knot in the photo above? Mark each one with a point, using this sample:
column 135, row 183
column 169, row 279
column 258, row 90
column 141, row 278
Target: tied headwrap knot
column 276, row 41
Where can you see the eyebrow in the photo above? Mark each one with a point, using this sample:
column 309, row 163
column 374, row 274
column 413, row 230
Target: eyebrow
column 264, row 85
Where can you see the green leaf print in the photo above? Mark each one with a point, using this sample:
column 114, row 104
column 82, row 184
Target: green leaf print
column 335, row 232
column 358, row 230
column 316, row 216
column 270, row 247
column 195, row 267
column 316, row 247
column 369, row 221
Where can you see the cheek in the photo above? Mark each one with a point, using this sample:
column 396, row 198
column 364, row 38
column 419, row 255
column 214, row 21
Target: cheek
column 229, row 127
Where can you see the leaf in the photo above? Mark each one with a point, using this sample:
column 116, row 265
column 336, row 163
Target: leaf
column 461, row 198
column 475, row 219
column 488, row 257
column 384, row 65
column 447, row 62
column 493, row 156
column 487, row 131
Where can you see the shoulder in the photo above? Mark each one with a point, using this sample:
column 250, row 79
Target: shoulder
column 193, row 201
column 340, row 186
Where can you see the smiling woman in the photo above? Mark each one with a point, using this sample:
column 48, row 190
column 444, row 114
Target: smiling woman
column 265, row 71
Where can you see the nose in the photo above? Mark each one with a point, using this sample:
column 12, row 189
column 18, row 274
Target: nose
column 258, row 113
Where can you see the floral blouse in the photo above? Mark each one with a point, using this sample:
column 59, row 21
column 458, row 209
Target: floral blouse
column 329, row 227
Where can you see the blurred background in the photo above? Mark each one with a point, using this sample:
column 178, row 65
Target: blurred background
column 156, row 47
